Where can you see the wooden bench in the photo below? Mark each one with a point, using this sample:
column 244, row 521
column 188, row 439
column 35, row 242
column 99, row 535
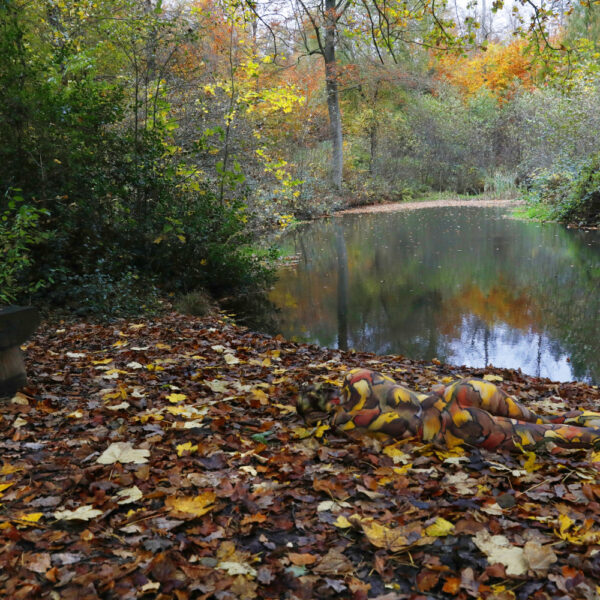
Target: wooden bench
column 17, row 323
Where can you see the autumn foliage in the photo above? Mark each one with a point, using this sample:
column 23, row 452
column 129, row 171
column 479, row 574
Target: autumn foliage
column 497, row 69
column 165, row 459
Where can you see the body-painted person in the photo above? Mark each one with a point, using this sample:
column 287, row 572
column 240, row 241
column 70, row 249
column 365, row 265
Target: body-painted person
column 469, row 411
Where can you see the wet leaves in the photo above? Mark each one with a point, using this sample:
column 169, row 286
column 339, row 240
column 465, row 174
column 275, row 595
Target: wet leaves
column 143, row 462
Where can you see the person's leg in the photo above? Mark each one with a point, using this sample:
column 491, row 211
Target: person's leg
column 581, row 418
column 477, row 427
column 486, row 396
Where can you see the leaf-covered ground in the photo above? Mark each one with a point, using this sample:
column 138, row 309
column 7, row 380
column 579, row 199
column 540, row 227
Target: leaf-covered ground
column 164, row 459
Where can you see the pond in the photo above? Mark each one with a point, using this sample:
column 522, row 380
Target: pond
column 465, row 285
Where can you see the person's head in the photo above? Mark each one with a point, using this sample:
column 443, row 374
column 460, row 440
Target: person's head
column 319, row 397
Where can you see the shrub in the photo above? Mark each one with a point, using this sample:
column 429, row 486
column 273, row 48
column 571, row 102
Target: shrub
column 582, row 204
column 570, row 194
column 20, row 232
column 198, row 304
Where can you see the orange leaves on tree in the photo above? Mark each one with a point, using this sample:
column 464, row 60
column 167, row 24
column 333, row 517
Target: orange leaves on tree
column 495, row 70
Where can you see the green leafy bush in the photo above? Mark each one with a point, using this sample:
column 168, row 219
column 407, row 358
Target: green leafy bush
column 570, row 194
column 20, row 231
column 582, row 204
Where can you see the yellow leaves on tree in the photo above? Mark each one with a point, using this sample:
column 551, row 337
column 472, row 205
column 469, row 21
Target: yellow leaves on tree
column 496, row 69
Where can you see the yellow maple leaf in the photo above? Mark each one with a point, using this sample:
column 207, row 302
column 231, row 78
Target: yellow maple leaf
column 194, row 506
column 260, row 396
column 342, row 522
column 384, row 537
column 439, row 528
column 5, row 486
column 8, row 469
column 403, row 470
column 175, row 398
column 301, row 432
column 104, row 361
column 181, row 448
column 396, row 454
column 490, row 377
column 30, row 517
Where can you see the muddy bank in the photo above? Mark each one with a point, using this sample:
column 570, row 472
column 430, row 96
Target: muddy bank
column 398, row 206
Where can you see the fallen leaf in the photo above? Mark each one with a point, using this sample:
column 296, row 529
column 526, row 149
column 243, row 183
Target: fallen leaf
column 175, row 398
column 498, row 549
column 129, row 495
column 539, row 558
column 121, row 406
column 231, row 359
column 5, row 486
column 123, row 452
column 393, row 540
column 30, row 517
column 236, row 568
column 186, row 447
column 104, row 361
column 191, row 506
column 334, row 563
column 302, row 559
column 83, row 513
column 342, row 522
column 37, row 562
column 491, row 377
column 397, row 455
column 439, row 528
column 217, row 386
column 20, row 399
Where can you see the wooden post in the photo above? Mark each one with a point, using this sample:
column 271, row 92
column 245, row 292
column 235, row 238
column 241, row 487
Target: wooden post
column 16, row 326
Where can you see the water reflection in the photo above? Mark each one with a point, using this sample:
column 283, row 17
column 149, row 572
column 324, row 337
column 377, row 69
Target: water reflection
column 467, row 286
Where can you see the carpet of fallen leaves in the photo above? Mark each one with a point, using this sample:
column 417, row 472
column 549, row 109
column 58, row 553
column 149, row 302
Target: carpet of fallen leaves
column 164, row 459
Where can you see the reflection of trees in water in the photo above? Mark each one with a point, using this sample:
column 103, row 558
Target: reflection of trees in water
column 342, row 288
column 405, row 283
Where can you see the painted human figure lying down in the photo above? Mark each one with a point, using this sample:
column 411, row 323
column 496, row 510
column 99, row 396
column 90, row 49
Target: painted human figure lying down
column 469, row 411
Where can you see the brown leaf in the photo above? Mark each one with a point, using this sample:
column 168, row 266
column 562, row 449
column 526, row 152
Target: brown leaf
column 427, row 580
column 334, row 563
column 302, row 559
column 451, row 585
column 540, row 558
column 38, row 562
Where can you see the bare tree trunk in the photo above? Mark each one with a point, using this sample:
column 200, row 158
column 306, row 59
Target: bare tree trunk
column 333, row 96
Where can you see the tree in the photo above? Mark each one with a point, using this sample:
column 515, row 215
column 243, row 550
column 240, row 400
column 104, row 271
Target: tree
column 323, row 19
column 374, row 29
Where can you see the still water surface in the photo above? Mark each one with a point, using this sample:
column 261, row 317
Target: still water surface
column 464, row 285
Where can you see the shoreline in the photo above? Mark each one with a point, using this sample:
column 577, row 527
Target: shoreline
column 400, row 206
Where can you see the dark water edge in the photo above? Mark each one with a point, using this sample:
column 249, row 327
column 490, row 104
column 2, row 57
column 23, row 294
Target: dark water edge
column 465, row 285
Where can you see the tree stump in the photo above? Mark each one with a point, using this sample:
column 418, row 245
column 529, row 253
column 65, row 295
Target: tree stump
column 16, row 326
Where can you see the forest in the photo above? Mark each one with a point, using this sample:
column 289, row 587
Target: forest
column 164, row 160
column 140, row 135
